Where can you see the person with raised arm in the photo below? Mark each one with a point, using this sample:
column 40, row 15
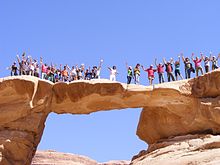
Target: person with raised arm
column 79, row 71
column 21, row 66
column 150, row 72
column 188, row 66
column 73, row 74
column 206, row 60
column 43, row 69
column 160, row 71
column 177, row 69
column 169, row 69
column 129, row 73
column 198, row 64
column 97, row 70
column 214, row 61
column 65, row 73
column 113, row 73
column 137, row 73
column 31, row 66
column 37, row 71
column 88, row 74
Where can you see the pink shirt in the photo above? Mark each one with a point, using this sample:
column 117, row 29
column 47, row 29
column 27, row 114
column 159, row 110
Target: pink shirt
column 44, row 69
column 197, row 62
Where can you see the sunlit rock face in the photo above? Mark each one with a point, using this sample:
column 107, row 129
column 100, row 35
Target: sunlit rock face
column 58, row 158
column 169, row 110
column 182, row 150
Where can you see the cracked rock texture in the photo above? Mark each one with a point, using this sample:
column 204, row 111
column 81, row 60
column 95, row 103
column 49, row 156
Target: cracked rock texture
column 169, row 110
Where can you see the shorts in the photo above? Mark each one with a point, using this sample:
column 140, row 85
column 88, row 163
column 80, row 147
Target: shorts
column 150, row 77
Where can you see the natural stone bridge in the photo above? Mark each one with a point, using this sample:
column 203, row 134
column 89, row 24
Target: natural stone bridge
column 170, row 109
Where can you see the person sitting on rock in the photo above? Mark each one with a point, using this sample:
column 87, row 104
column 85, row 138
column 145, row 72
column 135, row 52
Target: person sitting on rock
column 150, row 72
column 14, row 69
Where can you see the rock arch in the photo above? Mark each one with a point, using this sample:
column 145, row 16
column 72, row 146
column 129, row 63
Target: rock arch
column 171, row 109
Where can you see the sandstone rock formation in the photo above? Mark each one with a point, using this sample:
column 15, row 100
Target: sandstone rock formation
column 57, row 158
column 169, row 110
column 182, row 150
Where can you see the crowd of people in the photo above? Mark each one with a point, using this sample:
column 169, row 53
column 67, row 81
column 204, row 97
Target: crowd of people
column 29, row 66
column 172, row 68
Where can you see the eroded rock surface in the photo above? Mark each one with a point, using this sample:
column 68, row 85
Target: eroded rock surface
column 169, row 110
column 182, row 150
column 58, row 158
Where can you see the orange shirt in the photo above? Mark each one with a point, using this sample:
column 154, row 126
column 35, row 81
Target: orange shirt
column 65, row 73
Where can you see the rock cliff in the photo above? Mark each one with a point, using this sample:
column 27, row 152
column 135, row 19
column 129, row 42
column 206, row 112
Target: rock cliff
column 169, row 110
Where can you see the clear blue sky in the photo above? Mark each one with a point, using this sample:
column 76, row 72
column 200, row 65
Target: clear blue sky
column 85, row 31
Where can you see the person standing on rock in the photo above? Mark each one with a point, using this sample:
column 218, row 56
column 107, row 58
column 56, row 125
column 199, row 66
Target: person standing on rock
column 214, row 61
column 65, row 73
column 113, row 73
column 160, row 71
column 188, row 67
column 43, row 68
column 198, row 65
column 177, row 69
column 169, row 69
column 129, row 73
column 150, row 72
column 206, row 60
column 97, row 70
column 137, row 73
column 22, row 64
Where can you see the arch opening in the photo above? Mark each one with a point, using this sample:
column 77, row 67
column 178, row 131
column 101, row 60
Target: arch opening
column 102, row 136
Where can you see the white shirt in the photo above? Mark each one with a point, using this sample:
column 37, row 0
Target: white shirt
column 113, row 72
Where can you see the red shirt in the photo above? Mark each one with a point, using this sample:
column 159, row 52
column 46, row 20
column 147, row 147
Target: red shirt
column 169, row 68
column 150, row 72
column 160, row 68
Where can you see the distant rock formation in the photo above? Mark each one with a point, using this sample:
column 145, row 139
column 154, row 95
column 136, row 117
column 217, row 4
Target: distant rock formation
column 58, row 158
column 169, row 110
